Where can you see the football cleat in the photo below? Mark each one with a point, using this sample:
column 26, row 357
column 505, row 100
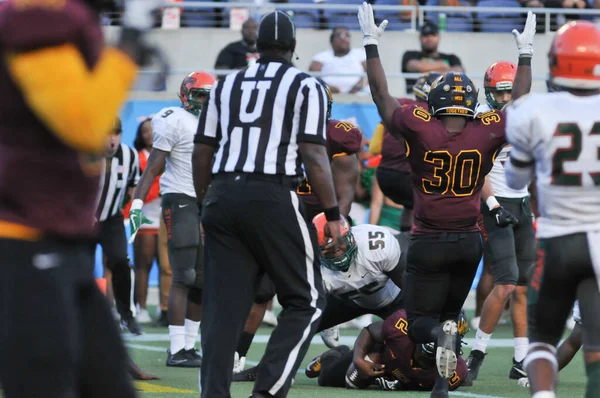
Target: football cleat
column 313, row 369
column 445, row 357
column 517, row 372
column 270, row 319
column 143, row 316
column 130, row 325
column 474, row 362
column 239, row 363
column 331, row 337
column 523, row 382
column 182, row 359
column 246, row 375
column 193, row 353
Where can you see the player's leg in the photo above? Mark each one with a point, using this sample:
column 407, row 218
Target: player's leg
column 39, row 329
column 288, row 241
column 193, row 313
column 486, row 280
column 550, row 297
column 144, row 252
column 180, row 213
column 500, row 250
column 334, row 365
column 525, row 251
column 397, row 186
column 230, row 281
column 166, row 275
column 114, row 246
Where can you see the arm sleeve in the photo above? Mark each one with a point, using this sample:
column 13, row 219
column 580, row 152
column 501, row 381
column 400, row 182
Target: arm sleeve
column 77, row 104
column 164, row 135
column 209, row 128
column 312, row 100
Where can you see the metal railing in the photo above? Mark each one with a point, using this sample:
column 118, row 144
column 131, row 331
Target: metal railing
column 216, row 14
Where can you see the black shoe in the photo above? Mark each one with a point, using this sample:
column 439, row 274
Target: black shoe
column 182, row 359
column 445, row 355
column 474, row 362
column 517, row 371
column 130, row 324
column 162, row 321
column 246, row 375
column 193, row 353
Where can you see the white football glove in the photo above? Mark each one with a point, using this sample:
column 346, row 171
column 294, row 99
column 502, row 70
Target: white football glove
column 525, row 40
column 139, row 13
column 370, row 31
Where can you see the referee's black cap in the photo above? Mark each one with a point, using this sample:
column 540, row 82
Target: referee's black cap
column 277, row 30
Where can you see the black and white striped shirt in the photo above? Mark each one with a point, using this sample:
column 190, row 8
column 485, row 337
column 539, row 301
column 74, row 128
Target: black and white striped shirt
column 123, row 172
column 257, row 117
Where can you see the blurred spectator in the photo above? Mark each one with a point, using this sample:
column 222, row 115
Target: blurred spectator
column 243, row 53
column 428, row 59
column 341, row 59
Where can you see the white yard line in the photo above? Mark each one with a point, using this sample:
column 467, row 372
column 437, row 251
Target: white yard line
column 264, row 338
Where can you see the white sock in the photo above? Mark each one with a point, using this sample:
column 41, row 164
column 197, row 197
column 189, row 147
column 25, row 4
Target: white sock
column 544, row 394
column 191, row 333
column 177, row 336
column 482, row 340
column 521, row 347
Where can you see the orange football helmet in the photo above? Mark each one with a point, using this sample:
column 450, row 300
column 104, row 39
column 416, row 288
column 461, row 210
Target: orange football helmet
column 574, row 57
column 499, row 76
column 194, row 91
column 342, row 261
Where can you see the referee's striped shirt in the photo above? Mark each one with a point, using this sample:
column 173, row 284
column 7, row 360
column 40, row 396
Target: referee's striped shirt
column 120, row 172
column 258, row 116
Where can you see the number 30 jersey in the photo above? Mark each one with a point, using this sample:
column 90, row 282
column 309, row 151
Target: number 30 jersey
column 366, row 282
column 560, row 132
column 448, row 169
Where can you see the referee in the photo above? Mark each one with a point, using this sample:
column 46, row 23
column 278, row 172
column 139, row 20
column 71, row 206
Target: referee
column 121, row 174
column 263, row 123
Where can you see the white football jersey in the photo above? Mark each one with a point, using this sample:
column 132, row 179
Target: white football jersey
column 174, row 129
column 497, row 176
column 365, row 282
column 561, row 133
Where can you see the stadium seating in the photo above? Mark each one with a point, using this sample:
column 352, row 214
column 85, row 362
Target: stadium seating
column 398, row 20
column 198, row 17
column 495, row 21
column 303, row 18
column 341, row 17
column 455, row 21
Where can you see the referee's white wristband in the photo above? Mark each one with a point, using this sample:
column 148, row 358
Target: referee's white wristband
column 491, row 202
column 137, row 204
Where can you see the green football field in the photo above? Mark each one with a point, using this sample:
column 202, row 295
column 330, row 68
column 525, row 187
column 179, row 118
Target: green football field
column 149, row 351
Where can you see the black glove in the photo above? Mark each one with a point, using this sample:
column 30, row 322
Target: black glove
column 503, row 217
column 388, row 385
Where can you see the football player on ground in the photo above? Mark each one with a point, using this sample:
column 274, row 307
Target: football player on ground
column 61, row 91
column 174, row 129
column 343, row 142
column 450, row 154
column 556, row 137
column 385, row 356
column 366, row 278
column 394, row 173
column 510, row 243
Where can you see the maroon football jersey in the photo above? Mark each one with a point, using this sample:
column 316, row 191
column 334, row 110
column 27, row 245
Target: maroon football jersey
column 342, row 139
column 398, row 353
column 393, row 151
column 448, row 168
column 43, row 183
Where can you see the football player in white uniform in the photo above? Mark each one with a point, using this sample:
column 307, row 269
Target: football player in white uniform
column 509, row 239
column 365, row 278
column 557, row 136
column 174, row 129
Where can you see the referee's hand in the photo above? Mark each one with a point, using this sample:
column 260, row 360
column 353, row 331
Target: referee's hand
column 335, row 241
column 136, row 218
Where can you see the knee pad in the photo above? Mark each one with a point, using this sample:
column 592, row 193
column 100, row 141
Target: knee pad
column 195, row 295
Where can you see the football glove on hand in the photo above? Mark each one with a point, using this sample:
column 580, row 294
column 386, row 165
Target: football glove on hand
column 525, row 40
column 370, row 31
column 503, row 217
column 139, row 14
column 388, row 385
column 136, row 218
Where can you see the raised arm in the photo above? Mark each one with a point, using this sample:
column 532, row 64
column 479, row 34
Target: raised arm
column 522, row 84
column 386, row 104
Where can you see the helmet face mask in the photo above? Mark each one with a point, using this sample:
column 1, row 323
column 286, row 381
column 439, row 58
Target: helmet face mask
column 453, row 94
column 343, row 262
column 499, row 79
column 194, row 91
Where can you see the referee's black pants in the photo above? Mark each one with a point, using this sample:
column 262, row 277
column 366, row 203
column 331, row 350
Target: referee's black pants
column 111, row 237
column 256, row 224
column 57, row 335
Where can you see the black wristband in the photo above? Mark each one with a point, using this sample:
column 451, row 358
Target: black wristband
column 332, row 214
column 372, row 51
column 524, row 60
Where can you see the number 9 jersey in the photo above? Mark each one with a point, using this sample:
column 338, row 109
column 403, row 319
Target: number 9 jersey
column 366, row 282
column 448, row 168
column 560, row 132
